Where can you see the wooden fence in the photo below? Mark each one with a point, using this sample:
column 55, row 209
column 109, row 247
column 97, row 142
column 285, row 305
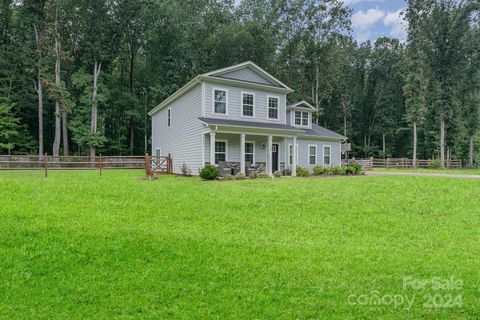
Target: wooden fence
column 152, row 165
column 402, row 163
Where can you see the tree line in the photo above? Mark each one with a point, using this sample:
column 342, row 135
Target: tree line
column 78, row 76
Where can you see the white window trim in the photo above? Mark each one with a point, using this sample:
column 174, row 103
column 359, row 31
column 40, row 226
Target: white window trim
column 241, row 101
column 253, row 142
column 329, row 155
column 169, row 117
column 226, row 101
column 278, row 107
column 226, row 147
column 292, row 119
column 309, row 155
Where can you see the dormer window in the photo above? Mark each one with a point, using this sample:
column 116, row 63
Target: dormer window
column 301, row 118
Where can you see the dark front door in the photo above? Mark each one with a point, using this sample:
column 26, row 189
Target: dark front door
column 274, row 157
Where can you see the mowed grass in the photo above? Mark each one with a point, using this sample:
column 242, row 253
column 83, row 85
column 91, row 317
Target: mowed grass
column 77, row 246
column 422, row 170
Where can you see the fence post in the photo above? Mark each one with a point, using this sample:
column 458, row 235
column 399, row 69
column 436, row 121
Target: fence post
column 148, row 169
column 101, row 164
column 45, row 165
column 388, row 163
column 169, row 164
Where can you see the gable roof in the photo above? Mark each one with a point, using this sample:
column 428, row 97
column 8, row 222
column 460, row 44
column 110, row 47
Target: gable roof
column 252, row 66
column 301, row 105
column 319, row 131
column 215, row 77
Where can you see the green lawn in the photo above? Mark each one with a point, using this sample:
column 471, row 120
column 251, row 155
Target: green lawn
column 420, row 170
column 77, row 245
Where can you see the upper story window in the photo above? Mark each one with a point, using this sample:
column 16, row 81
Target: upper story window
column 169, row 117
column 272, row 108
column 248, row 102
column 220, row 101
column 301, row 118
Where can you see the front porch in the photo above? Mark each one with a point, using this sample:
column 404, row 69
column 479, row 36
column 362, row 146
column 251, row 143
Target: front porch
column 248, row 151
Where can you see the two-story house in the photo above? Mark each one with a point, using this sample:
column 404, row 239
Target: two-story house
column 240, row 114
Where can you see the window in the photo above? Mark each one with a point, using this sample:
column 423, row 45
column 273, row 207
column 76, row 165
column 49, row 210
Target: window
column 290, row 154
column 249, row 152
column 220, row 151
column 301, row 118
column 220, row 101
column 248, row 101
column 312, row 155
column 169, row 117
column 272, row 108
column 158, row 152
column 327, row 155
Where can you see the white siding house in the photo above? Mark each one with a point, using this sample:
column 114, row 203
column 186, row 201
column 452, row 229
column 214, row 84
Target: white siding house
column 239, row 115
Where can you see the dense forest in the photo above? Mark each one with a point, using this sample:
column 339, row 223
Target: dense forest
column 78, row 76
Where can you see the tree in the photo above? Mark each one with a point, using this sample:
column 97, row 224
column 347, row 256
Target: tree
column 9, row 127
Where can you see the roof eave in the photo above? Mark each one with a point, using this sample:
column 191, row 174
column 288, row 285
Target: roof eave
column 244, row 84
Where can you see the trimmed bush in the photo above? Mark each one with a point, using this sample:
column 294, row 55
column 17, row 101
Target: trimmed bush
column 209, row 172
column 435, row 164
column 337, row 171
column 319, row 170
column 277, row 174
column 263, row 175
column 240, row 176
column 228, row 177
column 302, row 172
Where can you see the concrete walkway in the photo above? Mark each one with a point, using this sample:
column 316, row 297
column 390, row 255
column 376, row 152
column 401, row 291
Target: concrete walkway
column 418, row 174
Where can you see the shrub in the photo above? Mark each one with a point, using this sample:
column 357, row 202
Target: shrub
column 319, row 170
column 184, row 169
column 435, row 164
column 277, row 174
column 209, row 172
column 302, row 172
column 228, row 177
column 337, row 171
column 263, row 175
column 253, row 175
column 240, row 176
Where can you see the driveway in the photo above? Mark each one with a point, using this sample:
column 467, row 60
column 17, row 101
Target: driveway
column 417, row 174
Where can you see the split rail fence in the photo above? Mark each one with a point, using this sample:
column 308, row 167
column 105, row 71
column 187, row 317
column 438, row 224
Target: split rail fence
column 152, row 165
column 402, row 163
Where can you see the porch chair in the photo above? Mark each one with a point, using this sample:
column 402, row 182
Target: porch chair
column 224, row 168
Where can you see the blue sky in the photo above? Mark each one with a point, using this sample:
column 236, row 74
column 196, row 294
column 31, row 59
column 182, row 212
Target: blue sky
column 372, row 19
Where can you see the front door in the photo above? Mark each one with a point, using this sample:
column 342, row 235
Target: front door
column 274, row 157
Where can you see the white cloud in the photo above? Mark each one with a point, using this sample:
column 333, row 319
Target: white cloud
column 362, row 20
column 398, row 26
column 353, row 2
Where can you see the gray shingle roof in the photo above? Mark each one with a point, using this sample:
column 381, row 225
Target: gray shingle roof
column 248, row 124
column 323, row 132
column 315, row 131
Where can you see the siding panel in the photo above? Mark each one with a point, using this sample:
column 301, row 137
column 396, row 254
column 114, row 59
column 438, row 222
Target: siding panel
column 245, row 74
column 234, row 104
column 183, row 139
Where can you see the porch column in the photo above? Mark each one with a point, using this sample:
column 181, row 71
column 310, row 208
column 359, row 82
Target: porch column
column 242, row 153
column 294, row 157
column 269, row 155
column 212, row 147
